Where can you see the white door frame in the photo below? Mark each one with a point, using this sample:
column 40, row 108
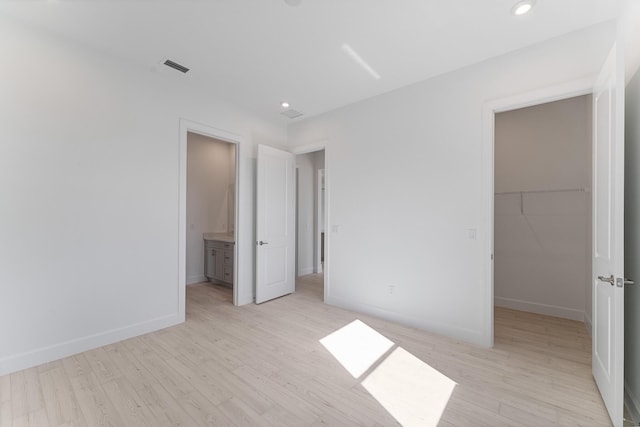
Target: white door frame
column 320, row 202
column 201, row 129
column 489, row 109
column 310, row 148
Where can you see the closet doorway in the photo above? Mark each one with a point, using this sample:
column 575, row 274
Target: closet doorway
column 542, row 209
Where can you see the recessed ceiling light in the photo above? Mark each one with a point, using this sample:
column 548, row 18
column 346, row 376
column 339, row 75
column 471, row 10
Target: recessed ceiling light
column 522, row 7
column 284, row 104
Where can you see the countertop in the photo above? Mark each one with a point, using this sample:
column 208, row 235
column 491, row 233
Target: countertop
column 220, row 237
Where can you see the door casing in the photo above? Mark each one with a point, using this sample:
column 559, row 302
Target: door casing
column 553, row 93
column 202, row 129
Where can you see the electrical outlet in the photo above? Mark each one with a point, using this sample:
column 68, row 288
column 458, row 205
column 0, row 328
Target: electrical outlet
column 392, row 288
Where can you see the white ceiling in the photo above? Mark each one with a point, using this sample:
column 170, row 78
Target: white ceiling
column 256, row 53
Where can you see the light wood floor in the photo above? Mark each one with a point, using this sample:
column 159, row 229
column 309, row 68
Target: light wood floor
column 263, row 365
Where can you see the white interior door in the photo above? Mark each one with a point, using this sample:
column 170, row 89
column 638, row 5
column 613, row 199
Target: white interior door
column 608, row 233
column 275, row 225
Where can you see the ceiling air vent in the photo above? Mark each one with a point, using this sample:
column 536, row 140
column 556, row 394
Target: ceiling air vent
column 175, row 66
column 291, row 113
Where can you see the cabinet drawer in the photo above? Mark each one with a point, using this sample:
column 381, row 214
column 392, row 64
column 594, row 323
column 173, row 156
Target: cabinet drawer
column 228, row 274
column 228, row 258
column 218, row 245
column 214, row 244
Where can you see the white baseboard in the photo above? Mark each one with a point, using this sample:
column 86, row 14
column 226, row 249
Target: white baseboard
column 632, row 403
column 47, row 354
column 191, row 280
column 305, row 271
column 588, row 324
column 469, row 335
column 533, row 307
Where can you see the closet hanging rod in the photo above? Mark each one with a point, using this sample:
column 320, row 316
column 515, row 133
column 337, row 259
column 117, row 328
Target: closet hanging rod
column 564, row 190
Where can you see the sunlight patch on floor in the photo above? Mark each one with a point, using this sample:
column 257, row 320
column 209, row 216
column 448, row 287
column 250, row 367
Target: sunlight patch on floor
column 356, row 346
column 413, row 392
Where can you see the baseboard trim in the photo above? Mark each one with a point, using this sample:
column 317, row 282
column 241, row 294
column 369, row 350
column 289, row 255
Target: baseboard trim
column 533, row 307
column 469, row 335
column 632, row 403
column 192, row 280
column 305, row 271
column 588, row 324
column 47, row 354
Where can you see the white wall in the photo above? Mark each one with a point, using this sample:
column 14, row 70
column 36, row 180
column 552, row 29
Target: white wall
column 542, row 239
column 210, row 176
column 406, row 186
column 632, row 244
column 89, row 188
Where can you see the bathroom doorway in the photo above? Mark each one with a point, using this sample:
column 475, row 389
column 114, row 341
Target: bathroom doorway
column 211, row 178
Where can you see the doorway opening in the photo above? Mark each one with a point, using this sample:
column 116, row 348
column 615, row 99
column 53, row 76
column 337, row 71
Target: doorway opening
column 542, row 209
column 209, row 211
column 542, row 229
column 311, row 250
column 279, row 219
column 607, row 276
column 211, row 194
column 489, row 111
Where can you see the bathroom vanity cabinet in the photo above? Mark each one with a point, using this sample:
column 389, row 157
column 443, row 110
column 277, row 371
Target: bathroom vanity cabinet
column 218, row 250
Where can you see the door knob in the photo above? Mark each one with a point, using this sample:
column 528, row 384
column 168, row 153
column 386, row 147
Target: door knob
column 628, row 282
column 610, row 280
column 262, row 243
